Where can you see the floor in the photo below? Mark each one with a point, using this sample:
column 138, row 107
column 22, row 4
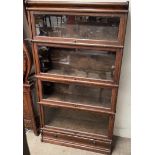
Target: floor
column 122, row 147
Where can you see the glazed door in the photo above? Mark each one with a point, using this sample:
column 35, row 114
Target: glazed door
column 85, row 64
column 79, row 28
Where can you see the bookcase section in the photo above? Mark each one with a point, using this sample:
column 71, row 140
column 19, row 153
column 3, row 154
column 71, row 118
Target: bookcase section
column 77, row 51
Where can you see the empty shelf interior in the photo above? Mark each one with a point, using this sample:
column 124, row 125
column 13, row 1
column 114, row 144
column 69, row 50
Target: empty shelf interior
column 85, row 27
column 83, row 63
column 77, row 120
column 77, row 94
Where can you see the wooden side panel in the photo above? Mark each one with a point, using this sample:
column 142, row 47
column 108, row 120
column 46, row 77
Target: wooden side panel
column 29, row 117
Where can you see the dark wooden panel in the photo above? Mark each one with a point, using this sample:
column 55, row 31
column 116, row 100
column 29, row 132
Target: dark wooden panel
column 29, row 116
column 30, row 119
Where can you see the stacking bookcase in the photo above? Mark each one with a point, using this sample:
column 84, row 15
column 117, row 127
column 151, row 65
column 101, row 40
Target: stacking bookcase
column 77, row 51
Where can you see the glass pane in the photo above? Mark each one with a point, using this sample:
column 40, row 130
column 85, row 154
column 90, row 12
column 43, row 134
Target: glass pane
column 81, row 27
column 77, row 94
column 77, row 62
column 77, row 120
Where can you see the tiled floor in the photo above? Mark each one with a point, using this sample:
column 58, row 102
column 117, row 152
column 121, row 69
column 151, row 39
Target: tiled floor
column 122, row 147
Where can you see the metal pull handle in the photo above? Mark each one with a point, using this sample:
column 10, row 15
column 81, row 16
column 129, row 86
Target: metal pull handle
column 93, row 141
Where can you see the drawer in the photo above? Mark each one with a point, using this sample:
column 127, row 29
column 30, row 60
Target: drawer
column 78, row 140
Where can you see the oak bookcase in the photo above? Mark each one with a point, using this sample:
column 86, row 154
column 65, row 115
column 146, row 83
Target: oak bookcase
column 77, row 51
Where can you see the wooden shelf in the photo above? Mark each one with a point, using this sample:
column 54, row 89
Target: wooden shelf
column 78, row 73
column 76, row 106
column 69, row 80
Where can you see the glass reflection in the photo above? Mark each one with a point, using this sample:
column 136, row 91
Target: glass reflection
column 77, row 62
column 82, row 27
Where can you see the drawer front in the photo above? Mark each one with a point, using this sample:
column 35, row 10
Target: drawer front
column 77, row 139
